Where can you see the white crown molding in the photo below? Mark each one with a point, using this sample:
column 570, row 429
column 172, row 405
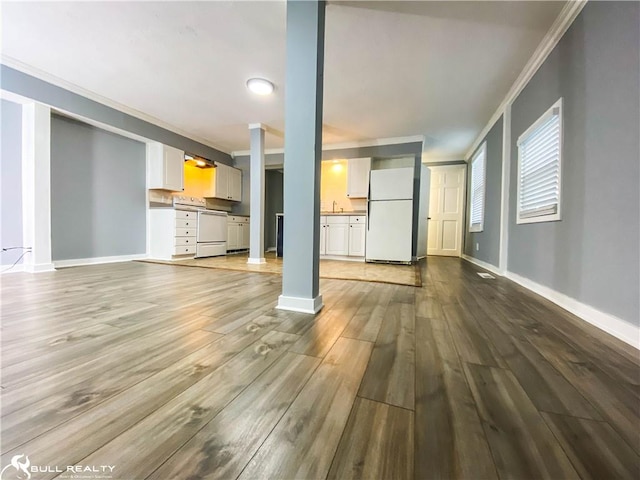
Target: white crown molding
column 436, row 161
column 565, row 18
column 339, row 146
column 253, row 126
column 615, row 326
column 58, row 82
column 487, row 266
column 76, row 262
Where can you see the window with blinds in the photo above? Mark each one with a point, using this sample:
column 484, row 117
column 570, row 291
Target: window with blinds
column 539, row 167
column 478, row 176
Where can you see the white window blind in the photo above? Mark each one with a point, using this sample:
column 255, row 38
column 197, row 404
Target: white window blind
column 539, row 153
column 478, row 167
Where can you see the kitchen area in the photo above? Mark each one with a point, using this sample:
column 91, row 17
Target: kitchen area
column 195, row 208
column 190, row 201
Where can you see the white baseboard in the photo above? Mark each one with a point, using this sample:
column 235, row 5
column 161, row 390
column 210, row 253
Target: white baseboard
column 615, row 326
column 39, row 267
column 297, row 304
column 15, row 269
column 77, row 262
column 481, row 264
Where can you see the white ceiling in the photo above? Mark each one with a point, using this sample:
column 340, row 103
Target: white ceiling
column 392, row 69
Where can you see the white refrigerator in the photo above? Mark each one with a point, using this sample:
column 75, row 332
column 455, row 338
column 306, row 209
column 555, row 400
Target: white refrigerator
column 390, row 210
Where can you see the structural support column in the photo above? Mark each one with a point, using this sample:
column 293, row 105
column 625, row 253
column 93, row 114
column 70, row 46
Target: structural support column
column 506, row 185
column 302, row 156
column 256, row 233
column 36, row 186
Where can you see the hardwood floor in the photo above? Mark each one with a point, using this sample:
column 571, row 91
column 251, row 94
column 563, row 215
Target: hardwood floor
column 169, row 372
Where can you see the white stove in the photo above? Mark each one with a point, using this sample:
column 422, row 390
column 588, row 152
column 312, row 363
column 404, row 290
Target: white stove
column 189, row 203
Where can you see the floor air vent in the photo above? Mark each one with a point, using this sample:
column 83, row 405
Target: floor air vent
column 486, row 275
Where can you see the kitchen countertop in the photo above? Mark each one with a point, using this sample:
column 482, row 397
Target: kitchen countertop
column 344, row 213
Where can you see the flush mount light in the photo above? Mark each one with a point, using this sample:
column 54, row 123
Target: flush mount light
column 260, row 86
column 188, row 157
column 201, row 163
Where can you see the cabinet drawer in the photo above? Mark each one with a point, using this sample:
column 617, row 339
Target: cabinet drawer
column 237, row 219
column 184, row 250
column 358, row 219
column 183, row 214
column 243, row 219
column 185, row 241
column 337, row 219
column 185, row 232
column 186, row 223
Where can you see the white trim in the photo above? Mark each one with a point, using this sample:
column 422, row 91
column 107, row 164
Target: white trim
column 560, row 26
column 504, row 193
column 338, row 146
column 482, row 264
column 256, row 261
column 58, row 82
column 39, row 268
column 297, row 304
column 76, row 262
column 615, row 326
column 257, row 125
column 435, row 162
column 17, row 268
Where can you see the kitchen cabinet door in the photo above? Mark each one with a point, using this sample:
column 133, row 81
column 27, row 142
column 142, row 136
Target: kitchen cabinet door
column 358, row 177
column 235, row 185
column 221, row 182
column 337, row 239
column 233, row 236
column 356, row 239
column 323, row 235
column 166, row 167
column 244, row 236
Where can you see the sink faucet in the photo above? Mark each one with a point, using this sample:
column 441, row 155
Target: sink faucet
column 333, row 207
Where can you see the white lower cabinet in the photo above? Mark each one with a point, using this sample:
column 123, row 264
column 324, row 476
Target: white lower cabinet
column 172, row 233
column 337, row 236
column 343, row 235
column 357, row 235
column 323, row 235
column 237, row 232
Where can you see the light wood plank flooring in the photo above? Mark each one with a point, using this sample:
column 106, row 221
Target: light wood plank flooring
column 168, row 372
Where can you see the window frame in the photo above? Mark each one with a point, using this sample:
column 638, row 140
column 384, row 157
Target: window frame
column 554, row 217
column 475, row 228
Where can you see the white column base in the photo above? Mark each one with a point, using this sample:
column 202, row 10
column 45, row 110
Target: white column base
column 298, row 304
column 256, row 261
column 40, row 267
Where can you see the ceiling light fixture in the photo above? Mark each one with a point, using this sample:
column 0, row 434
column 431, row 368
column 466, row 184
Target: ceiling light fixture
column 201, row 163
column 260, row 86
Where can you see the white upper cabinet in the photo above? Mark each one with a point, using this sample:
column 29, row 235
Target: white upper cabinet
column 166, row 167
column 228, row 183
column 358, row 177
column 235, row 184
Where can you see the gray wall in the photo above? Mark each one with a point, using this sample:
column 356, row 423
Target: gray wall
column 274, row 203
column 489, row 239
column 413, row 149
column 592, row 254
column 11, row 178
column 97, row 192
column 41, row 91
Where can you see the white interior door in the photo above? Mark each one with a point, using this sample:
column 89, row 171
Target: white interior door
column 446, row 210
column 423, row 211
